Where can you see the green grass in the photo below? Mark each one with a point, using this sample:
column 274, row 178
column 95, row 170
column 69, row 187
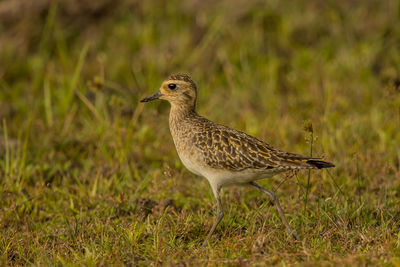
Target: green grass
column 89, row 176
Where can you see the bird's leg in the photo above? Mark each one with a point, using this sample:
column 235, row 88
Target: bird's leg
column 220, row 214
column 275, row 200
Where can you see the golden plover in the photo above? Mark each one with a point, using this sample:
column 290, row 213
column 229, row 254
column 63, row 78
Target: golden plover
column 222, row 155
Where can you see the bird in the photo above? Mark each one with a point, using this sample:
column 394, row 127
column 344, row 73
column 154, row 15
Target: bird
column 222, row 155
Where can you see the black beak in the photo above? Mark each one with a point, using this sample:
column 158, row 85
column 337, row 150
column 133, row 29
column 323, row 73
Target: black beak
column 151, row 97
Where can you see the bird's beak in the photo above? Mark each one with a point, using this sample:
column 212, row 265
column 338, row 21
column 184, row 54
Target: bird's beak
column 152, row 97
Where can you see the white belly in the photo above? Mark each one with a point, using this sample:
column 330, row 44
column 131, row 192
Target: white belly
column 225, row 178
column 191, row 165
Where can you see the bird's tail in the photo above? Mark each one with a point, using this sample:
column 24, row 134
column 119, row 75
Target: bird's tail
column 295, row 161
column 320, row 164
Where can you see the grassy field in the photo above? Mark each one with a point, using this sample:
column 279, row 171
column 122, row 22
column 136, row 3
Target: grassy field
column 89, row 176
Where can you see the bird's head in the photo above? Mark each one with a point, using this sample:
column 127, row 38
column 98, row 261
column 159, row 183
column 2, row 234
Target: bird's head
column 177, row 89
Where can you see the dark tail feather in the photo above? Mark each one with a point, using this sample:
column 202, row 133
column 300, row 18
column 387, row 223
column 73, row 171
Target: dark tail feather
column 320, row 164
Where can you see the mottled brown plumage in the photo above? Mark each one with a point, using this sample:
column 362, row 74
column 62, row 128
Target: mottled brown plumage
column 221, row 154
column 226, row 148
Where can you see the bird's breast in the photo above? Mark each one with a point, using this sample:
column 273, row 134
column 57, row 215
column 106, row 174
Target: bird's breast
column 187, row 152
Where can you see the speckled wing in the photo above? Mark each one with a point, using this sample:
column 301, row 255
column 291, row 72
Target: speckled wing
column 226, row 148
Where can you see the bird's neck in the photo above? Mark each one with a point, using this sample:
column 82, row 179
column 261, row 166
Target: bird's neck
column 179, row 114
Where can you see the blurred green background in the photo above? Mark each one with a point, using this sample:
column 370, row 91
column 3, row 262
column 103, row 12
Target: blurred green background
column 89, row 176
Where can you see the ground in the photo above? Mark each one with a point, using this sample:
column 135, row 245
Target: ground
column 90, row 176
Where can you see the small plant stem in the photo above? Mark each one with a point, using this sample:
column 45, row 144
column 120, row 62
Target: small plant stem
column 7, row 152
column 359, row 183
column 309, row 174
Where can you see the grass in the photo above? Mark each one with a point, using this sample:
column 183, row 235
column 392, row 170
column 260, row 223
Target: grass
column 89, row 176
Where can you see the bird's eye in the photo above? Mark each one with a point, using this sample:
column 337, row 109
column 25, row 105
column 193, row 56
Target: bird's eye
column 172, row 86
